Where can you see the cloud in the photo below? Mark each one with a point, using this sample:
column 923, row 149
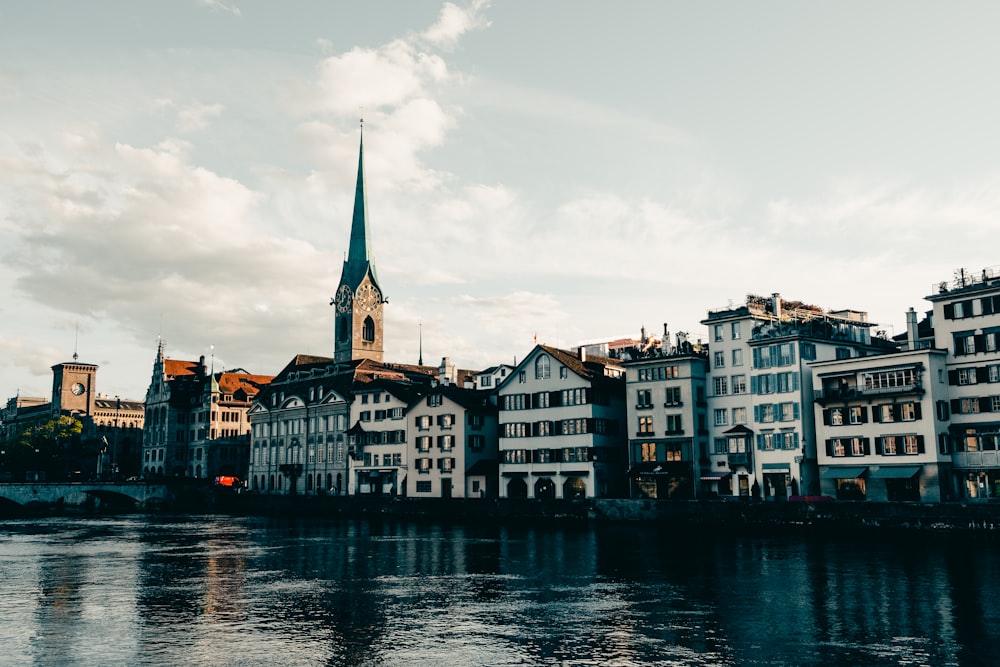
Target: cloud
column 454, row 21
column 219, row 6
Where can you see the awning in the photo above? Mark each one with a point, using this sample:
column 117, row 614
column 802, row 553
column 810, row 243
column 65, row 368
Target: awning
column 843, row 473
column 895, row 472
column 777, row 467
column 715, row 475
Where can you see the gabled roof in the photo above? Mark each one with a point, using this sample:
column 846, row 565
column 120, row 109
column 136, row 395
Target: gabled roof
column 471, row 400
column 590, row 369
column 231, row 383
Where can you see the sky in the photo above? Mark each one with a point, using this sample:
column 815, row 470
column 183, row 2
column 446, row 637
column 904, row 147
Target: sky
column 559, row 171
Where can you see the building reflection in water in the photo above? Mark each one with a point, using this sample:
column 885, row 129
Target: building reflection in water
column 218, row 590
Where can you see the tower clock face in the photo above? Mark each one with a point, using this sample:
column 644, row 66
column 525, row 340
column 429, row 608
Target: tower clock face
column 77, row 388
column 367, row 297
column 344, row 298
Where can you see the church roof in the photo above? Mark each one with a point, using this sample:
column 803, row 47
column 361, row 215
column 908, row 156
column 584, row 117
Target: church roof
column 359, row 254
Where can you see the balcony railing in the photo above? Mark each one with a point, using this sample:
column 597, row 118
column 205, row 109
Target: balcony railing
column 739, row 459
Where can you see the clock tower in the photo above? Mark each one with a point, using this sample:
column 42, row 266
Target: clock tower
column 359, row 301
column 73, row 388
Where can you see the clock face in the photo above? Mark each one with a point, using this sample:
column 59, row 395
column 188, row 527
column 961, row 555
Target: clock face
column 367, row 297
column 77, row 388
column 344, row 298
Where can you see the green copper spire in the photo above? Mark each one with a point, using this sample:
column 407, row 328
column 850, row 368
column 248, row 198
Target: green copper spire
column 359, row 254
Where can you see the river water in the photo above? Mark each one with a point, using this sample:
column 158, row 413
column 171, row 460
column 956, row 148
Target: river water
column 218, row 590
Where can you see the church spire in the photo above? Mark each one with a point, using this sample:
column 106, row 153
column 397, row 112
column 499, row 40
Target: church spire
column 359, row 255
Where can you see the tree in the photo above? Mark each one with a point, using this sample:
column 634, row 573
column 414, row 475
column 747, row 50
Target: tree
column 48, row 445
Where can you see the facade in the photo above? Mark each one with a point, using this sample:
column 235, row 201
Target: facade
column 453, row 444
column 967, row 325
column 561, row 427
column 378, row 436
column 196, row 421
column 882, row 427
column 109, row 444
column 299, row 425
column 666, row 415
column 760, row 390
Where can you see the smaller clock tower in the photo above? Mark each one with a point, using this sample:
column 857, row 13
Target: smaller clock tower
column 359, row 302
column 73, row 388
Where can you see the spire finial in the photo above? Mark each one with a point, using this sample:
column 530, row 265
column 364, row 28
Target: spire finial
column 76, row 342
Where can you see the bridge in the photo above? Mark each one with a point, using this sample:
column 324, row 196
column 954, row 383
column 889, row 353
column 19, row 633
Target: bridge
column 83, row 495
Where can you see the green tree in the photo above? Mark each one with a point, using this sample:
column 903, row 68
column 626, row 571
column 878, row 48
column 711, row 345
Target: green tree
column 49, row 445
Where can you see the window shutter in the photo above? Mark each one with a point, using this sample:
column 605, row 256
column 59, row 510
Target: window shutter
column 987, row 306
column 877, row 413
column 956, row 405
column 880, row 446
column 756, row 413
column 982, row 372
column 795, row 410
column 984, row 404
column 953, row 377
column 949, row 311
column 826, row 417
column 864, row 414
column 920, row 444
column 980, row 341
column 916, row 411
column 555, row 398
column 795, row 381
column 866, row 446
column 829, row 447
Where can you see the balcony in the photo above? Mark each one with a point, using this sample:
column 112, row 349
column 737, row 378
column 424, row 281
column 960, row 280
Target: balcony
column 987, row 459
column 738, row 459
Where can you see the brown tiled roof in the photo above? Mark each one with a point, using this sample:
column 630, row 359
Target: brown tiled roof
column 177, row 367
column 230, row 383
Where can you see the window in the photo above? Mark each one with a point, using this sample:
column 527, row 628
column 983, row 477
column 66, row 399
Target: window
column 965, row 343
column 720, row 446
column 942, row 410
column 563, row 372
column 735, row 330
column 739, row 384
column 858, row 447
column 424, row 443
column 993, row 373
column 434, row 400
column 765, row 413
column 476, row 441
column 515, row 430
column 486, row 381
column 886, row 414
column 809, row 351
column 843, row 353
column 739, row 416
column 969, row 406
column 721, row 387
column 721, row 417
column 673, row 396
column 738, row 357
column 995, row 403
column 423, row 465
column 645, row 425
column 717, row 333
column 446, row 442
column 911, row 444
column 424, row 486
column 674, row 424
column 423, row 422
column 856, row 415
column 647, row 451
column 789, row 411
column 908, row 412
column 967, row 376
column 644, row 398
column 900, row 378
column 543, row 367
column 515, row 456
column 720, row 359
column 365, row 416
column 540, row 400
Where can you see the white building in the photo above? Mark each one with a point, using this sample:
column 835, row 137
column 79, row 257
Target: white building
column 666, row 416
column 562, row 427
column 453, row 444
column 760, row 389
column 967, row 325
column 882, row 427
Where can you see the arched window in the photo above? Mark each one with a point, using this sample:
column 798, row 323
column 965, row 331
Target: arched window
column 543, row 367
column 368, row 333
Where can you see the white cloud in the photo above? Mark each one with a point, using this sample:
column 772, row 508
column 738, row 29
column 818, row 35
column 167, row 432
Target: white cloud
column 219, row 6
column 454, row 21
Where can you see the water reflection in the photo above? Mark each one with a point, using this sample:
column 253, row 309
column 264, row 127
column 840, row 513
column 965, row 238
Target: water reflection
column 249, row 591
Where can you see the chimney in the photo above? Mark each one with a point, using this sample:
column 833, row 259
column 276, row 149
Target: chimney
column 665, row 341
column 642, row 335
column 582, row 353
column 911, row 329
column 776, row 305
column 446, row 371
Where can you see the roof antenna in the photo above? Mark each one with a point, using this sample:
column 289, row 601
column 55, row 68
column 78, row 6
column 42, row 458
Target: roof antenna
column 76, row 341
